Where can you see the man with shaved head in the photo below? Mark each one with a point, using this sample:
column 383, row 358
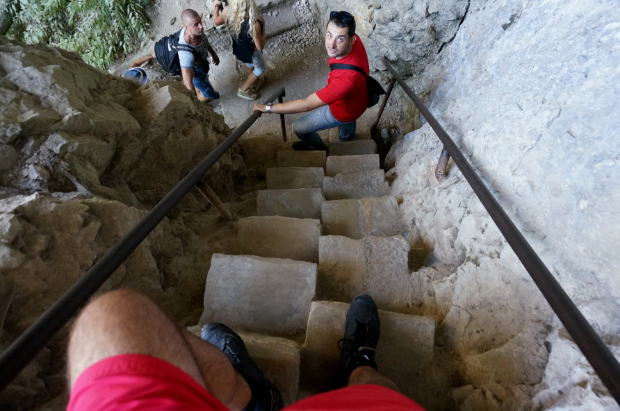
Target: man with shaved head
column 192, row 48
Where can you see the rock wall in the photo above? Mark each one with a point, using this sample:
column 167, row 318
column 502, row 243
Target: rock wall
column 529, row 91
column 409, row 33
column 83, row 156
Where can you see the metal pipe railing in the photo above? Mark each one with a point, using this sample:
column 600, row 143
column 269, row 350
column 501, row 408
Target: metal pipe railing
column 593, row 348
column 23, row 350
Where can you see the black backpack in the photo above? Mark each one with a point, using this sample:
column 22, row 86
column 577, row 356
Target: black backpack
column 374, row 88
column 166, row 53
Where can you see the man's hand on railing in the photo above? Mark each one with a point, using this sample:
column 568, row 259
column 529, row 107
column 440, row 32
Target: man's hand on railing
column 260, row 107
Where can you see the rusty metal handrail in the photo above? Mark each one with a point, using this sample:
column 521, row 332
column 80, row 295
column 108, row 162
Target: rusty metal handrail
column 27, row 345
column 588, row 341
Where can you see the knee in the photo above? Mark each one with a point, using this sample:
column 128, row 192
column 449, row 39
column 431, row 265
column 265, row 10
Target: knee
column 298, row 128
column 109, row 307
column 258, row 70
column 303, row 126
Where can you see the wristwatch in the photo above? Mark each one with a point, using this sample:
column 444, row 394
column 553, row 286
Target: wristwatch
column 268, row 108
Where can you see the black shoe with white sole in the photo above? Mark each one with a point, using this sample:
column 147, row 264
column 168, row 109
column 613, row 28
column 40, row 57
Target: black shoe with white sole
column 361, row 335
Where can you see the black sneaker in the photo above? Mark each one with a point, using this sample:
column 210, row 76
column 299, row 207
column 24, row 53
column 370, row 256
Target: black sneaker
column 361, row 335
column 265, row 395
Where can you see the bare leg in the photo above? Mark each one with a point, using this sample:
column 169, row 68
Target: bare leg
column 219, row 374
column 250, row 80
column 125, row 322
column 368, row 375
column 142, row 60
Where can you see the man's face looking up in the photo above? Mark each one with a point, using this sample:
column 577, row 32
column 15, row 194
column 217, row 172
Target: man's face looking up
column 337, row 41
column 194, row 26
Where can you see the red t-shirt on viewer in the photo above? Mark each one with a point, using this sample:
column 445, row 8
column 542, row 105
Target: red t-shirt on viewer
column 346, row 92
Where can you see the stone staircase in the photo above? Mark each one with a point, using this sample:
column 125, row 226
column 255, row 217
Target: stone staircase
column 325, row 231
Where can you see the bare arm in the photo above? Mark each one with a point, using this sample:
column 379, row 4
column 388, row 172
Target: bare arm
column 219, row 18
column 296, row 106
column 141, row 61
column 259, row 41
column 214, row 56
column 188, row 78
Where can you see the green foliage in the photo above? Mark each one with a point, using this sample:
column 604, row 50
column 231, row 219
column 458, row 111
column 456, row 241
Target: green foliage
column 98, row 30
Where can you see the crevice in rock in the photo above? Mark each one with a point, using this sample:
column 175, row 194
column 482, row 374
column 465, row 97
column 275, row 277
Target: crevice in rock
column 457, row 30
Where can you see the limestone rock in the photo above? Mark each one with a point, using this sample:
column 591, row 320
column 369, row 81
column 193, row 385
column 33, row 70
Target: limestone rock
column 484, row 320
column 294, row 177
column 46, row 244
column 358, row 184
column 280, row 237
column 569, row 378
column 266, row 295
column 351, row 163
column 296, row 203
column 99, row 134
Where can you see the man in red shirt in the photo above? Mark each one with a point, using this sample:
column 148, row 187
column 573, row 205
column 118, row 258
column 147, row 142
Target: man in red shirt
column 344, row 99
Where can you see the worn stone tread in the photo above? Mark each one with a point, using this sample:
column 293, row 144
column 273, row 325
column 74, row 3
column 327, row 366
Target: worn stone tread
column 405, row 347
column 359, row 184
column 294, row 177
column 256, row 294
column 369, row 216
column 280, row 237
column 353, row 148
column 295, row 203
column 348, row 164
column 376, row 265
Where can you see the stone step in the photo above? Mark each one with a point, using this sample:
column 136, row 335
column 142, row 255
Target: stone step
column 277, row 357
column 291, row 158
column 256, row 294
column 294, row 177
column 359, row 184
column 279, row 19
column 370, row 216
column 362, row 132
column 374, row 265
column 353, row 148
column 350, row 164
column 280, row 237
column 404, row 352
column 295, row 203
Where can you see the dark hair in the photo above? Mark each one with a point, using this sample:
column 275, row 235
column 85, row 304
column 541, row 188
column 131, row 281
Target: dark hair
column 343, row 19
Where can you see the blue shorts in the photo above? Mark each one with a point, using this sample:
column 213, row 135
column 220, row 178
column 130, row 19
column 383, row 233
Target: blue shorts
column 258, row 63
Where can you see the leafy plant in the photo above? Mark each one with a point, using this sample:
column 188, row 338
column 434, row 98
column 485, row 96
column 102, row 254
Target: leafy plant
column 99, row 30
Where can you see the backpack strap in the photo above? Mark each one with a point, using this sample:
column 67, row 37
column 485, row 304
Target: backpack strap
column 184, row 47
column 340, row 66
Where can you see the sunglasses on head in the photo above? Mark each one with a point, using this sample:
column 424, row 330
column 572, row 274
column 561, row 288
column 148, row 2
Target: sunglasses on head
column 342, row 15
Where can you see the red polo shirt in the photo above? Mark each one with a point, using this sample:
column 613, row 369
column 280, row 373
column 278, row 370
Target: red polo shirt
column 346, row 92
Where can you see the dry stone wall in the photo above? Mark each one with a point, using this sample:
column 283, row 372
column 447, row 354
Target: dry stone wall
column 529, row 92
column 83, row 156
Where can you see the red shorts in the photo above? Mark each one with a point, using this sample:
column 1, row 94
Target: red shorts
column 140, row 382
